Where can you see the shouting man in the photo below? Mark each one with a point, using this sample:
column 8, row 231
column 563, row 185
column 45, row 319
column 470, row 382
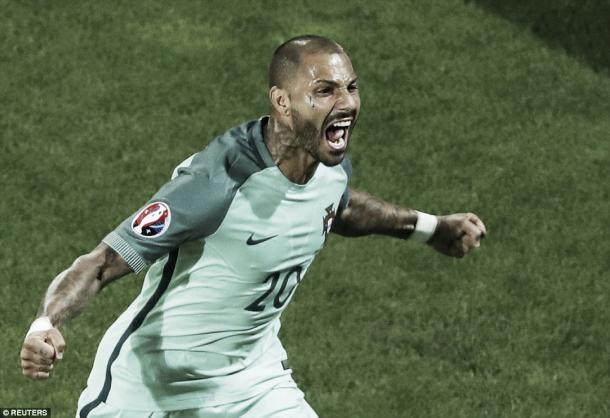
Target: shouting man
column 228, row 240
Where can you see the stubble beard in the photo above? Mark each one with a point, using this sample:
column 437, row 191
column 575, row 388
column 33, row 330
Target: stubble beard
column 307, row 135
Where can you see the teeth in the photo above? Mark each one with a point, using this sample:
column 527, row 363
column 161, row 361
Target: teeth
column 342, row 124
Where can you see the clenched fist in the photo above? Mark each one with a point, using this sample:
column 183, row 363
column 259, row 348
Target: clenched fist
column 456, row 235
column 40, row 350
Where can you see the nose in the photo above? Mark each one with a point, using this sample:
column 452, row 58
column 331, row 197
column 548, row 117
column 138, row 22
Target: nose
column 346, row 100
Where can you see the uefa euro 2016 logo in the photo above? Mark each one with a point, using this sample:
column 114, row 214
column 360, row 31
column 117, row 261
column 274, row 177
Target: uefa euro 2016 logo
column 152, row 221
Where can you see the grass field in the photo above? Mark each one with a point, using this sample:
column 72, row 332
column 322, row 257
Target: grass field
column 472, row 106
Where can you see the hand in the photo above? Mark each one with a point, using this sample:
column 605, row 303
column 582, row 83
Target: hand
column 40, row 350
column 456, row 235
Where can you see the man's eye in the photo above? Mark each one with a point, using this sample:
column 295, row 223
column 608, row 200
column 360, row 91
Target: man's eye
column 325, row 91
column 353, row 87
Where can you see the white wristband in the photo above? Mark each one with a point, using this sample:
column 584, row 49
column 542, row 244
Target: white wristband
column 424, row 227
column 40, row 324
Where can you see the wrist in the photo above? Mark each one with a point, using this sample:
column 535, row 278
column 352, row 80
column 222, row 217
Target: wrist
column 425, row 226
column 40, row 324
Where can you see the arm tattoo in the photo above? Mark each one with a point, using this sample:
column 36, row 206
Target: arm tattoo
column 366, row 215
column 73, row 288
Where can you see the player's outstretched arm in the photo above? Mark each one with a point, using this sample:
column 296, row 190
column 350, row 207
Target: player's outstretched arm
column 366, row 214
column 454, row 235
column 67, row 295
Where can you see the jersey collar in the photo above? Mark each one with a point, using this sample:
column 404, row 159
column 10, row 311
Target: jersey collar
column 257, row 134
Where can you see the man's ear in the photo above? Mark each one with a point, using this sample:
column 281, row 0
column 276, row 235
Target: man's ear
column 280, row 100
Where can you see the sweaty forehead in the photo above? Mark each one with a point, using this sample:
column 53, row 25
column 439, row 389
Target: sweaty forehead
column 335, row 67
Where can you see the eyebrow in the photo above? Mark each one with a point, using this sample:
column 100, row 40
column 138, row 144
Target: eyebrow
column 332, row 82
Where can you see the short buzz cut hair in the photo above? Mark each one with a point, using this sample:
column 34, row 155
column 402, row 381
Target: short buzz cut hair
column 287, row 56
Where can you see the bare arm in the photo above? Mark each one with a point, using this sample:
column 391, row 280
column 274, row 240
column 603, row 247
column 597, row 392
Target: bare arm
column 455, row 234
column 73, row 288
column 68, row 295
column 366, row 214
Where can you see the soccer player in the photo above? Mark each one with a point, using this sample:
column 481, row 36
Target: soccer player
column 228, row 240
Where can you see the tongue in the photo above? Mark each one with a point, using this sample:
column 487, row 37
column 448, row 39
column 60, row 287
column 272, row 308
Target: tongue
column 334, row 135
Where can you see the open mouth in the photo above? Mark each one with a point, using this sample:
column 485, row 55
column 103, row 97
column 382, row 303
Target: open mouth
column 337, row 134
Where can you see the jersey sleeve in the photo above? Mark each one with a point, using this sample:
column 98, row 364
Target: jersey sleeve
column 346, row 164
column 190, row 206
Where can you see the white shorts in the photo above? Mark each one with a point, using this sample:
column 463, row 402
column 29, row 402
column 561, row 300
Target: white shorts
column 282, row 401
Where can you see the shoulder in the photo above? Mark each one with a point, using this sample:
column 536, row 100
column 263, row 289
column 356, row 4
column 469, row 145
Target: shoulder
column 234, row 154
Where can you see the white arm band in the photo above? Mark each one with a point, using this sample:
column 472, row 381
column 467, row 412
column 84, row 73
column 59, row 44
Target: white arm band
column 40, row 324
column 424, row 228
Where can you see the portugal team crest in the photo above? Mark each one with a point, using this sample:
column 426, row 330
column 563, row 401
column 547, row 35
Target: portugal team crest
column 327, row 221
column 152, row 221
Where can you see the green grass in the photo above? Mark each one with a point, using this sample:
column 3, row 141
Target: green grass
column 580, row 27
column 462, row 111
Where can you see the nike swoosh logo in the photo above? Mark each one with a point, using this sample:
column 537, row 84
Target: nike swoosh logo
column 252, row 241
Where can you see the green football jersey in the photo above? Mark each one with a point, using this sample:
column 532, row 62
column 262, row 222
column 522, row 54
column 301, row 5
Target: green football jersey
column 229, row 239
